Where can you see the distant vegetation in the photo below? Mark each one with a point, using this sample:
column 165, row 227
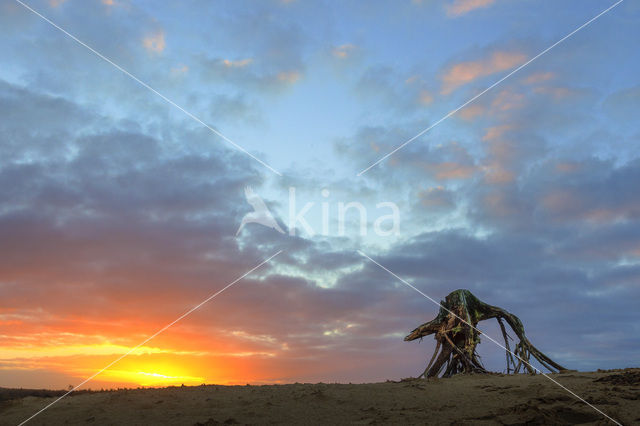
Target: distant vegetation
column 7, row 394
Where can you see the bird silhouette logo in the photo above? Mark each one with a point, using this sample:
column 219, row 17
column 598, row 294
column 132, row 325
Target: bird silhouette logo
column 260, row 213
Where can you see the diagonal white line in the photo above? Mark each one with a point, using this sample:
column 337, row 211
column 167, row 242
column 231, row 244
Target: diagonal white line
column 145, row 85
column 490, row 87
column 154, row 335
column 490, row 338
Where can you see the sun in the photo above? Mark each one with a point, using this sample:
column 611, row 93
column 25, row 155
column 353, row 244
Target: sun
column 153, row 374
column 153, row 378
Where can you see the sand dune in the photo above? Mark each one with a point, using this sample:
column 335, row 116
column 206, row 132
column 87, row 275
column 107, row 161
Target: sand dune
column 477, row 399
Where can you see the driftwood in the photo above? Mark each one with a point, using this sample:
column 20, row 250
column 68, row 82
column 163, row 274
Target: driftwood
column 457, row 338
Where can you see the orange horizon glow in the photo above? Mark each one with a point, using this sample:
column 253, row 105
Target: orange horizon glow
column 172, row 359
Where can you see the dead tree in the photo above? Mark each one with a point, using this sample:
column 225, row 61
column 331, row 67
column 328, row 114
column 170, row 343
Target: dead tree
column 457, row 338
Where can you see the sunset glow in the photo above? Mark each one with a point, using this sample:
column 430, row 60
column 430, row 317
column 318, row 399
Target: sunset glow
column 148, row 165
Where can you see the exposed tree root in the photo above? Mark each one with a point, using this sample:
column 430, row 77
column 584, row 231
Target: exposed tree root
column 457, row 338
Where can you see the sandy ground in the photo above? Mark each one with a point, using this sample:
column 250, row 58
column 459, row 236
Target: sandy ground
column 477, row 399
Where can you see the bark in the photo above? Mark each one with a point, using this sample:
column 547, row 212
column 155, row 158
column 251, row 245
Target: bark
column 457, row 336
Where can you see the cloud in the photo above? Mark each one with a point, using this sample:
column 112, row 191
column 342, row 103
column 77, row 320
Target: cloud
column 289, row 77
column 394, row 91
column 179, row 70
column 496, row 132
column 436, row 198
column 117, row 216
column 450, row 170
column 343, row 51
column 470, row 112
column 164, row 220
column 623, row 105
column 539, row 77
column 461, row 7
column 56, row 3
column 507, row 148
column 557, row 93
column 154, row 42
column 506, row 100
column 241, row 63
column 425, row 97
column 269, row 58
column 247, row 75
column 586, row 196
column 232, row 108
column 466, row 72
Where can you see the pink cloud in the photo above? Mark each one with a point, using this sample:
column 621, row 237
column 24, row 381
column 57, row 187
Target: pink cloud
column 539, row 77
column 496, row 173
column 507, row 100
column 56, row 3
column 557, row 93
column 154, row 42
column 435, row 197
column 240, row 63
column 288, row 77
column 425, row 97
column 461, row 7
column 496, row 132
column 450, row 170
column 471, row 112
column 343, row 51
column 466, row 72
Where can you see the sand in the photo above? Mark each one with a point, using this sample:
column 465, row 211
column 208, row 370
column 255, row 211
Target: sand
column 475, row 399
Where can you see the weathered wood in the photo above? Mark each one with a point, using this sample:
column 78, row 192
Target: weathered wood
column 457, row 337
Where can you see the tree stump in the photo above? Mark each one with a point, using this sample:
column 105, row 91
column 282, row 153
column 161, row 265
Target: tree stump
column 457, row 338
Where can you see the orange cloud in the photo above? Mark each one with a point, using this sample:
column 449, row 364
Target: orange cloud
column 289, row 77
column 557, row 93
column 56, row 3
column 539, row 77
column 241, row 63
column 412, row 79
column 179, row 70
column 496, row 173
column 472, row 111
column 502, row 153
column 465, row 72
column 155, row 42
column 507, row 100
column 435, row 197
column 343, row 51
column 460, row 7
column 449, row 170
column 496, row 132
column 425, row 97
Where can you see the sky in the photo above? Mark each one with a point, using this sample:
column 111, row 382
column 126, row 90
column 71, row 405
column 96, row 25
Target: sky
column 120, row 208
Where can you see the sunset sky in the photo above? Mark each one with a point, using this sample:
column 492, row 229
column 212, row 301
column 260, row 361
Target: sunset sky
column 119, row 211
